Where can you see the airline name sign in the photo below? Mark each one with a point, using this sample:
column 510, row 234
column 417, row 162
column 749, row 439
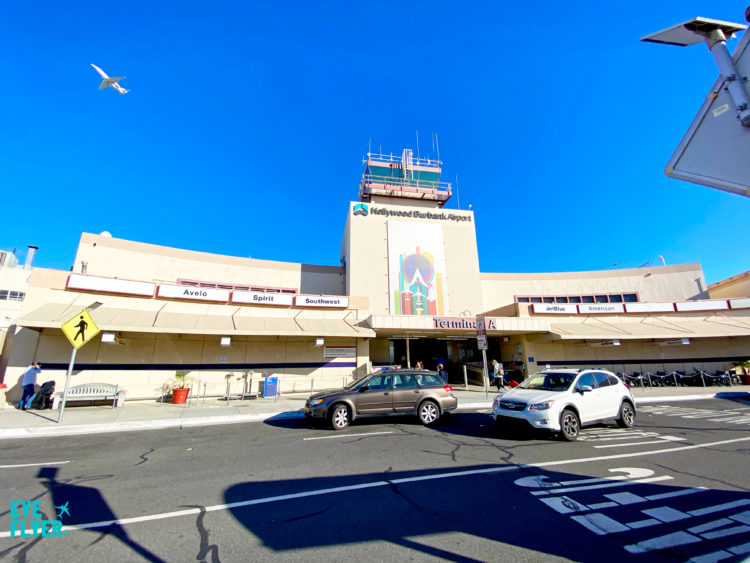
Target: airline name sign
column 98, row 284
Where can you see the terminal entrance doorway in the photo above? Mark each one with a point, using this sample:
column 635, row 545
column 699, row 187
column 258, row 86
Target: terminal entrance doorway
column 453, row 354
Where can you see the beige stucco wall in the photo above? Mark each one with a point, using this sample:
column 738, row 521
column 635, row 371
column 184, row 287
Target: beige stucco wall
column 662, row 283
column 650, row 355
column 731, row 288
column 112, row 257
column 142, row 350
column 366, row 242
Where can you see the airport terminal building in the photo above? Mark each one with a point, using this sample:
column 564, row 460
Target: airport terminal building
column 408, row 289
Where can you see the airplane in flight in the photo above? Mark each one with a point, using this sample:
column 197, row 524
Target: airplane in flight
column 113, row 81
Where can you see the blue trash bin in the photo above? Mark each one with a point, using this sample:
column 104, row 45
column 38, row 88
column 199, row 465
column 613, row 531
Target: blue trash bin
column 270, row 387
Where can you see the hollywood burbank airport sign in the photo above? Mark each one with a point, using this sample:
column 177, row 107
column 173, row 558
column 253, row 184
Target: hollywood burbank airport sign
column 466, row 323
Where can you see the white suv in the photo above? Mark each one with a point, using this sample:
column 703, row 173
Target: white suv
column 563, row 400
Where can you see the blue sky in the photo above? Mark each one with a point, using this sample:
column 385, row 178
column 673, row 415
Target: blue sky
column 246, row 124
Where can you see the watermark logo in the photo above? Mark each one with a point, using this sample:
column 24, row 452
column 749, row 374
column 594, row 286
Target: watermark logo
column 27, row 520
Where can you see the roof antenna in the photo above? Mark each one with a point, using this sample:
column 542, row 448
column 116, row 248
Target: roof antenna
column 417, row 146
column 458, row 195
column 437, row 144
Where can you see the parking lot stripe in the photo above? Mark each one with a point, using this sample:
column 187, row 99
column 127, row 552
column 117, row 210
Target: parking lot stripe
column 33, row 464
column 346, row 435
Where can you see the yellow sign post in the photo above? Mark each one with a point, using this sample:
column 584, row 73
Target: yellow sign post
column 79, row 330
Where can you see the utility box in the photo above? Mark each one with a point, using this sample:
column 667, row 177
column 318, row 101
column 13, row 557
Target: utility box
column 270, row 387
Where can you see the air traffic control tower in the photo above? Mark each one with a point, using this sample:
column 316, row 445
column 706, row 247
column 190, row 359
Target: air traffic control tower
column 403, row 248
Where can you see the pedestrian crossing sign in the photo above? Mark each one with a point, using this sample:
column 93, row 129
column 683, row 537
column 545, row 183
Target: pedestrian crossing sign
column 80, row 329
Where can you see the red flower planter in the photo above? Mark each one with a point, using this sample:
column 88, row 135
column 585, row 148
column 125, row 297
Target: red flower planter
column 179, row 396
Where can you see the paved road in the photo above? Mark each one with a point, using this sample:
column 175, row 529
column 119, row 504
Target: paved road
column 673, row 488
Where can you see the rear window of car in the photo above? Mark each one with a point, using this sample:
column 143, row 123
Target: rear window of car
column 602, row 379
column 429, row 379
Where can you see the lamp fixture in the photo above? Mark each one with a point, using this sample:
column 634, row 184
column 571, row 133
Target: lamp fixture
column 226, row 341
column 675, row 342
column 320, row 341
column 109, row 337
column 601, row 343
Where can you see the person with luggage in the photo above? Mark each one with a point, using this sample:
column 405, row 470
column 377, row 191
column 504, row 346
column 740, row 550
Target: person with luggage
column 29, row 383
column 498, row 375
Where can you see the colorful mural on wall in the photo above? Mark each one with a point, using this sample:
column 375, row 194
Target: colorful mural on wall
column 416, row 269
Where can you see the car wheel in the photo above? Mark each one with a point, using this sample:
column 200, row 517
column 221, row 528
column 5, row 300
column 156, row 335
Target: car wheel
column 569, row 425
column 339, row 417
column 627, row 415
column 428, row 412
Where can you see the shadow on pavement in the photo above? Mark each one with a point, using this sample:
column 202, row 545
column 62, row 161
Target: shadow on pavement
column 86, row 505
column 627, row 512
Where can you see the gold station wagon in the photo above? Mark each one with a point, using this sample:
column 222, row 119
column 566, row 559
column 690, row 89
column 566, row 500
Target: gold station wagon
column 386, row 392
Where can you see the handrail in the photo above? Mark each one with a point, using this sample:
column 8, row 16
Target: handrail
column 369, row 179
column 398, row 159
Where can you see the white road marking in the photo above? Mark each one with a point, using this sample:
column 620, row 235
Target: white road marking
column 625, row 498
column 600, row 505
column 659, row 441
column 643, row 523
column 710, row 525
column 711, row 557
column 564, row 505
column 665, row 514
column 719, row 507
column 740, row 549
column 602, row 486
column 743, row 517
column 678, row 493
column 726, row 532
column 662, row 542
column 34, row 464
column 319, row 492
column 721, row 554
column 600, row 524
column 346, row 435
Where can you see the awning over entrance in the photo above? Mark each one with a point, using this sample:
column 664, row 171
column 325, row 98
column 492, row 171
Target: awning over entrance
column 219, row 320
column 463, row 326
column 647, row 327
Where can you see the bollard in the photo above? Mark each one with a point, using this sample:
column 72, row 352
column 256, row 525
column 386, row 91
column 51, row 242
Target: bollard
column 466, row 379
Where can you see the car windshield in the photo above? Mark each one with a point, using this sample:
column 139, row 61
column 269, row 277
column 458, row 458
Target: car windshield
column 357, row 383
column 549, row 381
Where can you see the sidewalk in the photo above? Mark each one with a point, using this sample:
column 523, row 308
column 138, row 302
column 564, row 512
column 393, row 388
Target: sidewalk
column 143, row 415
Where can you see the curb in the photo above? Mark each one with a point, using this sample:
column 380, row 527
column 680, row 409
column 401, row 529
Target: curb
column 78, row 429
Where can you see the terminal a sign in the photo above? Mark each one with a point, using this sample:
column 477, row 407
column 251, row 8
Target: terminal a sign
column 466, row 323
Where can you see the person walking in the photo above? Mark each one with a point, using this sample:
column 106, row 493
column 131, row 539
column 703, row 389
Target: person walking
column 442, row 373
column 498, row 374
column 29, row 382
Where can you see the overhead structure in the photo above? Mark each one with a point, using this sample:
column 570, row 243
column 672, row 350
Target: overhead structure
column 714, row 150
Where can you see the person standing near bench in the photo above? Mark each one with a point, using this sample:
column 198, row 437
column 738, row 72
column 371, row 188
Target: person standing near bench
column 29, row 382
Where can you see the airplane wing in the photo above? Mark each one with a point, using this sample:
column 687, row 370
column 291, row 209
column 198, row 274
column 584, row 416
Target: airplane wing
column 100, row 71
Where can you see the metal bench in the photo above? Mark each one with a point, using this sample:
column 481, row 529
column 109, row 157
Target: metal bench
column 93, row 392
